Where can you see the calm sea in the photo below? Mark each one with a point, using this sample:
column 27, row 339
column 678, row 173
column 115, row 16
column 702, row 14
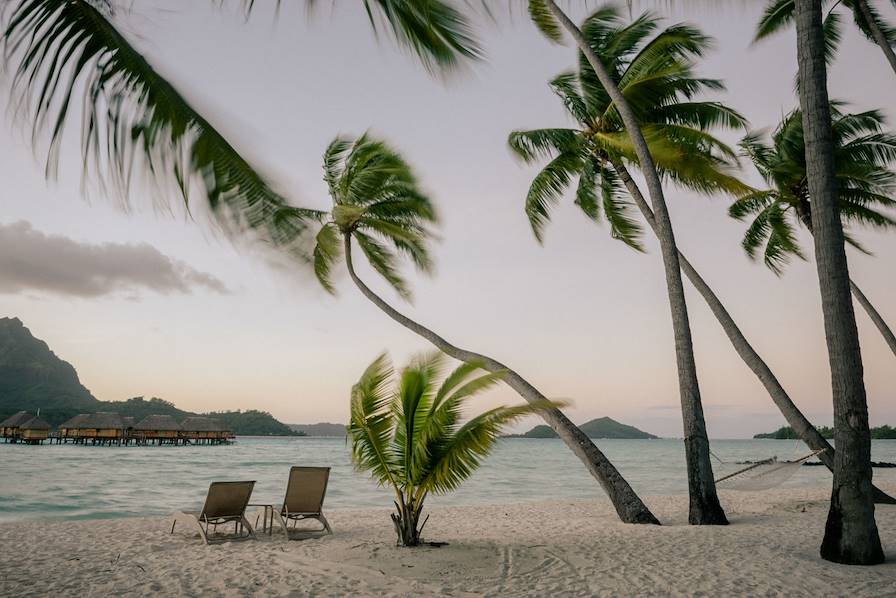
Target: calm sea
column 76, row 482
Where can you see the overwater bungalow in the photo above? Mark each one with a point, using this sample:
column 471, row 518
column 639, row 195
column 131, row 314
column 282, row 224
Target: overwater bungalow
column 68, row 430
column 11, row 426
column 34, row 431
column 157, row 429
column 204, row 430
column 93, row 428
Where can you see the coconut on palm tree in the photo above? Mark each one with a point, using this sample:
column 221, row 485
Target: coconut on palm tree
column 412, row 437
column 594, row 158
column 863, row 152
column 70, row 59
column 609, row 68
column 379, row 207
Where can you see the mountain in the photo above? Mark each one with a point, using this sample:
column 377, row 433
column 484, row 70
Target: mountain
column 32, row 377
column 602, row 427
column 321, row 429
column 787, row 433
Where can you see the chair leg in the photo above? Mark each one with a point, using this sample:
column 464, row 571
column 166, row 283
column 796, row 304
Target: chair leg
column 326, row 523
column 248, row 526
column 202, row 532
column 282, row 523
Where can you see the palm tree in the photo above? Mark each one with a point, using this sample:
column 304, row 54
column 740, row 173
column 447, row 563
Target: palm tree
column 851, row 534
column 412, row 439
column 862, row 154
column 779, row 14
column 593, row 155
column 704, row 507
column 71, row 58
column 378, row 205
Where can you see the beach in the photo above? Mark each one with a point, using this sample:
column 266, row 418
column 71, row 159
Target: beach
column 563, row 547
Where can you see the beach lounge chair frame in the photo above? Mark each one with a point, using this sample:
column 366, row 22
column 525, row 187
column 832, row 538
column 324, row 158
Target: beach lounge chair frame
column 225, row 502
column 305, row 493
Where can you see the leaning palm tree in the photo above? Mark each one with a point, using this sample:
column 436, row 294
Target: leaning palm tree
column 378, row 206
column 411, row 438
column 851, row 534
column 704, row 506
column 69, row 59
column 593, row 158
column 863, row 152
column 779, row 14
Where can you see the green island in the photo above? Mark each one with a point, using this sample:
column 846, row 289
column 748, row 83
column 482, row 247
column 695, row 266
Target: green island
column 601, row 427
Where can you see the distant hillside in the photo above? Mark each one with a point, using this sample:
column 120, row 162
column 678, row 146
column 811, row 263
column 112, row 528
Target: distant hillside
column 321, row 429
column 602, row 427
column 787, row 433
column 32, row 377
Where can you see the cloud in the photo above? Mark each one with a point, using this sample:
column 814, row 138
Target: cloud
column 31, row 260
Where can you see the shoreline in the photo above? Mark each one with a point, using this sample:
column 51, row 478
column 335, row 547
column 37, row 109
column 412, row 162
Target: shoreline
column 567, row 546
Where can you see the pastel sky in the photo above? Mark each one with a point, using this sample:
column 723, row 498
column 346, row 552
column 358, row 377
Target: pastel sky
column 155, row 304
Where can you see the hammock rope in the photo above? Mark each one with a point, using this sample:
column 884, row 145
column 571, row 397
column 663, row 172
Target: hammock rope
column 764, row 474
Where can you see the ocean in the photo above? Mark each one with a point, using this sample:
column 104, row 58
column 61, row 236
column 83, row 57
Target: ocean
column 84, row 482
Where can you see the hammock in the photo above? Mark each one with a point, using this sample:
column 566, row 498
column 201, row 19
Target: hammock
column 763, row 475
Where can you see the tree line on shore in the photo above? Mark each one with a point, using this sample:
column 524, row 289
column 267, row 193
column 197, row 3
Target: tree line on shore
column 636, row 102
column 787, row 433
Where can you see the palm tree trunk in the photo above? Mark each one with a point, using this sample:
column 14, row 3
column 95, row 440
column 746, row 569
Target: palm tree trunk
column 704, row 507
column 875, row 316
column 850, row 535
column 629, row 507
column 876, row 33
column 795, row 418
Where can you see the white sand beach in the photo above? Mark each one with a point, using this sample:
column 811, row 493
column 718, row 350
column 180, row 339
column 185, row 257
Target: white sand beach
column 568, row 548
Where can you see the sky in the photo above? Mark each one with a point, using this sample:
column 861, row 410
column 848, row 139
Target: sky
column 149, row 302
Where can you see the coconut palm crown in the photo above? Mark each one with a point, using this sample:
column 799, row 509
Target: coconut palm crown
column 655, row 71
column 378, row 202
column 863, row 151
column 411, row 437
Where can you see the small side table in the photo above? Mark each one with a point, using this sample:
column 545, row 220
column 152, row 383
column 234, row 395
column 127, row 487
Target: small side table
column 267, row 526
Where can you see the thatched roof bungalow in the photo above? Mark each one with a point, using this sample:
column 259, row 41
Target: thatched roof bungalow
column 203, row 428
column 9, row 427
column 100, row 426
column 69, row 428
column 34, row 430
column 157, row 427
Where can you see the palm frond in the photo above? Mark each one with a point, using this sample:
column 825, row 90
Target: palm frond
column 133, row 120
column 463, row 452
column 371, row 423
column 384, row 262
column 543, row 143
column 327, row 251
column 545, row 22
column 777, row 15
column 547, row 187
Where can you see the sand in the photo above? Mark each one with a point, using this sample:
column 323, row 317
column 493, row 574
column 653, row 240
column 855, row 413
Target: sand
column 567, row 548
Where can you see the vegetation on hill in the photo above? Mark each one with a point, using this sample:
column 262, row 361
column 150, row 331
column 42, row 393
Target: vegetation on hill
column 320, row 429
column 602, row 427
column 787, row 433
column 33, row 378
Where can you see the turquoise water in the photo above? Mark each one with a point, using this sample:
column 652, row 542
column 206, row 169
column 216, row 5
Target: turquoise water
column 83, row 482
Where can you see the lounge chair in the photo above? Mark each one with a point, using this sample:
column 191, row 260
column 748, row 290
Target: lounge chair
column 226, row 502
column 305, row 492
